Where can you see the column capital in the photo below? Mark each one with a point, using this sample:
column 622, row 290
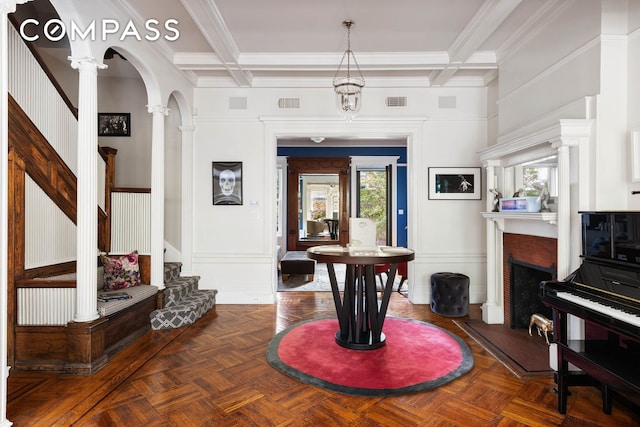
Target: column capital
column 492, row 163
column 187, row 128
column 564, row 144
column 85, row 63
column 158, row 109
column 572, row 132
column 9, row 6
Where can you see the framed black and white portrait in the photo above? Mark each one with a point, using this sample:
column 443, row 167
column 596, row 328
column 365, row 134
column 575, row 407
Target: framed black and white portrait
column 114, row 124
column 227, row 183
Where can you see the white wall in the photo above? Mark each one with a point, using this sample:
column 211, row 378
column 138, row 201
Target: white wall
column 611, row 170
column 633, row 89
column 133, row 161
column 554, row 67
column 230, row 250
column 575, row 67
column 493, row 118
column 234, row 245
column 172, row 179
column 451, row 234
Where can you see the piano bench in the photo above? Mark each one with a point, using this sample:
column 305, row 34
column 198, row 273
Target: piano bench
column 450, row 294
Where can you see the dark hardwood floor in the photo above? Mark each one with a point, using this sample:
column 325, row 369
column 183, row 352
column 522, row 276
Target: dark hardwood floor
column 214, row 373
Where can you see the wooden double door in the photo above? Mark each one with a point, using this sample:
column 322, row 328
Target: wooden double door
column 317, row 201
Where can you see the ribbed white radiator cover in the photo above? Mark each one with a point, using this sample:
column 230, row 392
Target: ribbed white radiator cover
column 46, row 306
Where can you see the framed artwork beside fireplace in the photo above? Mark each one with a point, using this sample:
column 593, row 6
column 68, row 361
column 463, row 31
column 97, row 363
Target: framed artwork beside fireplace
column 455, row 184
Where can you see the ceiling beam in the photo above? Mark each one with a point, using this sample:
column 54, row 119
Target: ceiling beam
column 207, row 17
column 484, row 23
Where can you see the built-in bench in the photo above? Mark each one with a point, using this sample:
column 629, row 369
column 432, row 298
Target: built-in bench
column 83, row 348
column 136, row 294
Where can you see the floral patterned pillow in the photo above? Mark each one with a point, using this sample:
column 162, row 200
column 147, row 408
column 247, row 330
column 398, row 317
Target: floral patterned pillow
column 120, row 271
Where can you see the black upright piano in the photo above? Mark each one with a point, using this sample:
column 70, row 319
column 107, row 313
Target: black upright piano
column 605, row 292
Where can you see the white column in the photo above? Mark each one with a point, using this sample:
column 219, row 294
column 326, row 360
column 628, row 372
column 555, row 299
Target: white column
column 6, row 7
column 564, row 210
column 575, row 324
column 492, row 309
column 187, row 199
column 157, row 194
column 87, row 197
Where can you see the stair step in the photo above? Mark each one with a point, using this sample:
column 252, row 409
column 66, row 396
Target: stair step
column 171, row 271
column 184, row 303
column 179, row 289
column 173, row 317
column 184, row 313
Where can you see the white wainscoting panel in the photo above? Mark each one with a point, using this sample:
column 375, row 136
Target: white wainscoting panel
column 50, row 237
column 130, row 223
column 46, row 306
column 34, row 92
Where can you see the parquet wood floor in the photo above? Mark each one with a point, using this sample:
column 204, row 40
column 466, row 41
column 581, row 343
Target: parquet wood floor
column 214, row 373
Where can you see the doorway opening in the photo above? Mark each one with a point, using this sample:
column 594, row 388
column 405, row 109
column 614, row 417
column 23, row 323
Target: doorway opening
column 373, row 200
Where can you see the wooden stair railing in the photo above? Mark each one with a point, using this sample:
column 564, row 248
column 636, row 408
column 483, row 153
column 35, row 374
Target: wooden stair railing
column 31, row 154
column 75, row 347
column 51, row 173
column 42, row 162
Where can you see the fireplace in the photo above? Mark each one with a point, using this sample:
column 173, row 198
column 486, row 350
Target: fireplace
column 524, row 283
column 534, row 259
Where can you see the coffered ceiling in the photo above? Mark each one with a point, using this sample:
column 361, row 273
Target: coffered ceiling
column 257, row 43
column 299, row 43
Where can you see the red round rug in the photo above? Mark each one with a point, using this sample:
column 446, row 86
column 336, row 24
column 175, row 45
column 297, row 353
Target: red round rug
column 417, row 356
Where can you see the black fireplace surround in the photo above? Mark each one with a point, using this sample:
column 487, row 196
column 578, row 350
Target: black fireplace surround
column 525, row 291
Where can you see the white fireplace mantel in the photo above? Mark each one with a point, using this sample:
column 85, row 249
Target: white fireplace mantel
column 500, row 217
column 562, row 138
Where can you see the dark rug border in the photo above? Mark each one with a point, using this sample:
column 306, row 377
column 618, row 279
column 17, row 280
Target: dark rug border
column 500, row 355
column 464, row 367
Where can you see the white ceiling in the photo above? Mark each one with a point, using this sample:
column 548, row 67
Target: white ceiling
column 299, row 43
column 258, row 43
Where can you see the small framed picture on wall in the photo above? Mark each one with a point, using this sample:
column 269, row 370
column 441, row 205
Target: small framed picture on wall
column 455, row 184
column 227, row 183
column 114, row 124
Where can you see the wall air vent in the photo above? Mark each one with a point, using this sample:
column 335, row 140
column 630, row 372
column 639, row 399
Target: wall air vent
column 446, row 102
column 289, row 103
column 396, row 101
column 238, row 103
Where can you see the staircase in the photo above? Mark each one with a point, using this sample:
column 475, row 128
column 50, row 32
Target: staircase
column 184, row 303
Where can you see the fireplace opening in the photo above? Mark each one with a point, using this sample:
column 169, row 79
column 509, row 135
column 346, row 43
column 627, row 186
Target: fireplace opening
column 525, row 292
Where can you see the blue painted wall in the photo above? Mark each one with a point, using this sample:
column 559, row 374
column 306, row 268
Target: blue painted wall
column 401, row 185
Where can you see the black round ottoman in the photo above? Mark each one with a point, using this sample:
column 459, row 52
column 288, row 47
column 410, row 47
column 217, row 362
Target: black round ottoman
column 450, row 294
